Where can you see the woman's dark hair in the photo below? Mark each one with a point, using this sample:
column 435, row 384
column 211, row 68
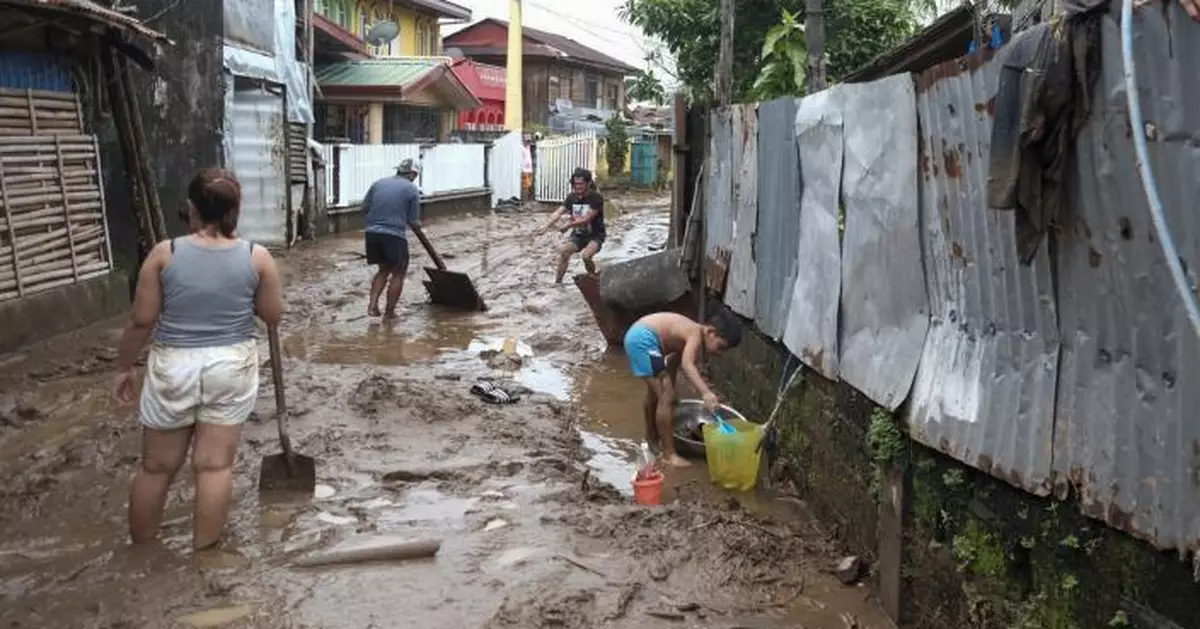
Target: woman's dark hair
column 217, row 197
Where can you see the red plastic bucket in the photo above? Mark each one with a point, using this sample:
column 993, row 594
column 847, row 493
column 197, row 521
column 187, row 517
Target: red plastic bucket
column 648, row 491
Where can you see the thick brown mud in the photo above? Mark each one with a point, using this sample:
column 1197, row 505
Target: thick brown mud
column 531, row 500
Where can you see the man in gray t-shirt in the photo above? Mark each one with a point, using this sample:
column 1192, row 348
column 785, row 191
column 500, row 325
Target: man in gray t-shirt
column 392, row 205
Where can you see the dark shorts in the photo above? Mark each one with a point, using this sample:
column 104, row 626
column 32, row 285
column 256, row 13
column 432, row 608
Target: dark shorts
column 388, row 251
column 581, row 240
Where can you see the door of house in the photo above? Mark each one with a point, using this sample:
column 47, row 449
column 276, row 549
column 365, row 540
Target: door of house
column 259, row 153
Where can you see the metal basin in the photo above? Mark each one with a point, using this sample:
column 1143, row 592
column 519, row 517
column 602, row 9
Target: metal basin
column 690, row 417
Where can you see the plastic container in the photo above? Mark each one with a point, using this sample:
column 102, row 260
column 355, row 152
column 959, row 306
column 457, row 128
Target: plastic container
column 733, row 458
column 648, row 490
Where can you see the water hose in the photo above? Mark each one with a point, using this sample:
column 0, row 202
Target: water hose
column 1148, row 183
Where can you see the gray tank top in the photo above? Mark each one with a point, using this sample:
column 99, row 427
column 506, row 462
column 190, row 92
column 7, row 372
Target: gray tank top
column 208, row 296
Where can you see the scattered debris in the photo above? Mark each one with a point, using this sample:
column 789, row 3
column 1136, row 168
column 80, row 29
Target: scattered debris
column 849, row 569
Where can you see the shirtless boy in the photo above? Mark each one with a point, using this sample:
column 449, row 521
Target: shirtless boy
column 657, row 346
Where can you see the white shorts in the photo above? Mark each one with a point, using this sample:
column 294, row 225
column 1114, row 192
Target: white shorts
column 210, row 385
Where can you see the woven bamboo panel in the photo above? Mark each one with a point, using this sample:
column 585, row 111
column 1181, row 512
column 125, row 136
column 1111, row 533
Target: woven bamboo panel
column 52, row 227
column 37, row 112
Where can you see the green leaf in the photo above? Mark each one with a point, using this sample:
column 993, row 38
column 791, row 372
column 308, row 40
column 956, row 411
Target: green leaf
column 773, row 36
column 799, row 58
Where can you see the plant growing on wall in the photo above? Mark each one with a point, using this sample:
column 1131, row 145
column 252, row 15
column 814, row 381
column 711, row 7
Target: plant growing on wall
column 616, row 146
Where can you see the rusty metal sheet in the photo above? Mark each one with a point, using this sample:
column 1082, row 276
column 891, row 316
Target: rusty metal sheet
column 1127, row 437
column 984, row 390
column 718, row 182
column 740, row 288
column 885, row 312
column 812, row 326
column 778, row 223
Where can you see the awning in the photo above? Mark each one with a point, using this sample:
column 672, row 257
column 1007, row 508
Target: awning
column 332, row 37
column 399, row 79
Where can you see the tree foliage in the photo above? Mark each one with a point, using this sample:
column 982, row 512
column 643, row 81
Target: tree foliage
column 856, row 32
column 784, row 59
column 645, row 87
column 616, row 145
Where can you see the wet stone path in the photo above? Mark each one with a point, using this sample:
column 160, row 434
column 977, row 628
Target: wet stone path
column 531, row 500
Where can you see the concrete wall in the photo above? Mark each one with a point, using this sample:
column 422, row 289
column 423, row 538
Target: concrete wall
column 40, row 316
column 182, row 107
column 967, row 550
column 454, row 204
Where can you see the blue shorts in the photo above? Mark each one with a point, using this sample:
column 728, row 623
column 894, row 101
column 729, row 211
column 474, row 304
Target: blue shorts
column 645, row 351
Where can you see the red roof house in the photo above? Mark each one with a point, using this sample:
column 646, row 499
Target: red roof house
column 487, row 83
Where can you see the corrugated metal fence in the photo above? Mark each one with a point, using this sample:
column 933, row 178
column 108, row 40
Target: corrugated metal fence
column 859, row 233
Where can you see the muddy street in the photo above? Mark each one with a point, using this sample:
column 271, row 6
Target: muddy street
column 531, row 499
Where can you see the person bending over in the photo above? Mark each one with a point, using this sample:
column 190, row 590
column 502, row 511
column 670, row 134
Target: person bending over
column 658, row 345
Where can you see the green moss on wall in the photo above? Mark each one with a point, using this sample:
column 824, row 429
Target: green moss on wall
column 979, row 553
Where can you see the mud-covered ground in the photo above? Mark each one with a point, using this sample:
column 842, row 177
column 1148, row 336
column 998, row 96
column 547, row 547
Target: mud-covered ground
column 531, row 500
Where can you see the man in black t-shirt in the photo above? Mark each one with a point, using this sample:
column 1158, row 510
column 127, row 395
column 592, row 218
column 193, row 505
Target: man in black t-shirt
column 585, row 207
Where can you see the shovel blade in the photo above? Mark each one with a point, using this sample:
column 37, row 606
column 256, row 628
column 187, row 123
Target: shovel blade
column 299, row 475
column 453, row 289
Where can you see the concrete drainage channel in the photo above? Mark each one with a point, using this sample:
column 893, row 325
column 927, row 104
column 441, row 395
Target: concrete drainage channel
column 530, row 500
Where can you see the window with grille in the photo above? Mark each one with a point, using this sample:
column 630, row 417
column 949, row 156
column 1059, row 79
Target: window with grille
column 405, row 124
column 591, row 95
column 614, row 94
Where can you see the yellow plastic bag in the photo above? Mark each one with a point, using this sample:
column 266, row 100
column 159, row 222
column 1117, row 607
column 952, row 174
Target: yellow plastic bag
column 733, row 458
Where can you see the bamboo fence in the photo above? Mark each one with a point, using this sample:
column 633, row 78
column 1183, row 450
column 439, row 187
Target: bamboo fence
column 52, row 227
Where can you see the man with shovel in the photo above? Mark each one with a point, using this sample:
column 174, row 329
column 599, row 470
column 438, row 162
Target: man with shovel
column 392, row 205
column 585, row 207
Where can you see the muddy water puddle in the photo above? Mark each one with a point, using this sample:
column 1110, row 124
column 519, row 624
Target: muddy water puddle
column 530, row 500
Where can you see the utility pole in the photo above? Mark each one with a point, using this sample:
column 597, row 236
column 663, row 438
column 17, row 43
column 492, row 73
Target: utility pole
column 514, row 108
column 725, row 61
column 814, row 38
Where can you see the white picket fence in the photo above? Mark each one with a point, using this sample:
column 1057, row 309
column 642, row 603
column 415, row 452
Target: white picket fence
column 557, row 158
column 352, row 168
column 504, row 167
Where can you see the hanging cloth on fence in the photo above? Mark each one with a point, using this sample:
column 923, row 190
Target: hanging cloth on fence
column 1042, row 101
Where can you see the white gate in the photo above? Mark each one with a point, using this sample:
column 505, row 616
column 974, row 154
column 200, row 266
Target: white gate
column 504, row 167
column 556, row 159
column 259, row 156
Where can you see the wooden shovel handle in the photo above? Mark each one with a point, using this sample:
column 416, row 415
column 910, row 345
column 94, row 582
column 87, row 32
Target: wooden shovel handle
column 437, row 260
column 280, row 401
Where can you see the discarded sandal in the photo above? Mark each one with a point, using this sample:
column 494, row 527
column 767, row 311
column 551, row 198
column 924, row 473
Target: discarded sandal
column 483, row 388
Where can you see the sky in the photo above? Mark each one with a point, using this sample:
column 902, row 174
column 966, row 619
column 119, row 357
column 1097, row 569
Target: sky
column 594, row 23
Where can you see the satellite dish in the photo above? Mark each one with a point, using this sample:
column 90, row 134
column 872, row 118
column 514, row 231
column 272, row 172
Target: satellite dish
column 382, row 33
column 454, row 53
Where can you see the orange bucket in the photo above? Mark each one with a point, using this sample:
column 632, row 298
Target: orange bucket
column 648, row 491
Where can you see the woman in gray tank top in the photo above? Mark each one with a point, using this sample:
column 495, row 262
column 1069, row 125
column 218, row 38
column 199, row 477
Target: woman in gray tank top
column 196, row 300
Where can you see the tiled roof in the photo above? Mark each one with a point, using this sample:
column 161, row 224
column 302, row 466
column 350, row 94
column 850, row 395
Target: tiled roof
column 562, row 43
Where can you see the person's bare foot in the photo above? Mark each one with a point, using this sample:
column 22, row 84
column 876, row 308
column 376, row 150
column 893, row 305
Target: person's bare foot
column 389, row 316
column 674, row 460
column 373, row 311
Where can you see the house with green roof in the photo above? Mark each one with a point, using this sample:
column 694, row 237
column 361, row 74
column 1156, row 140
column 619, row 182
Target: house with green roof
column 399, row 91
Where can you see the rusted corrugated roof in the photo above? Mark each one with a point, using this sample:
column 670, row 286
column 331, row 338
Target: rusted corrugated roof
column 93, row 12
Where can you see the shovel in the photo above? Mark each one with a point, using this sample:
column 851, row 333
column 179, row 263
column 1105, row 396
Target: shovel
column 287, row 471
column 448, row 288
